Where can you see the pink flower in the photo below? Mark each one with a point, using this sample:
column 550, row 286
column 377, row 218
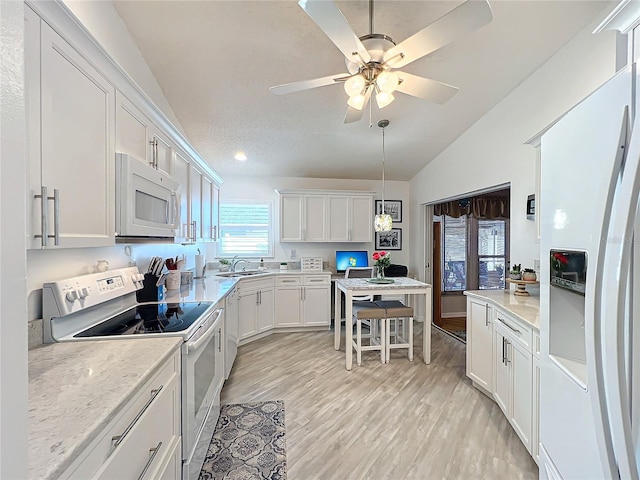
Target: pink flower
column 376, row 256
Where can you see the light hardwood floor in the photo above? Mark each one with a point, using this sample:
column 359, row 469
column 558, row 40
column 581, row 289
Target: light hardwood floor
column 402, row 420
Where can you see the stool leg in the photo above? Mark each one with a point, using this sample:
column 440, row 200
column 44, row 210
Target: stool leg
column 383, row 341
column 359, row 341
column 387, row 339
column 410, row 338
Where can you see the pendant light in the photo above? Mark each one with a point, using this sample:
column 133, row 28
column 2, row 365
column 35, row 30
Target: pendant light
column 382, row 221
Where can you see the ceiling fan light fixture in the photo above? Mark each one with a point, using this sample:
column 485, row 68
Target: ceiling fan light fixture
column 383, row 99
column 357, row 101
column 354, row 85
column 387, row 82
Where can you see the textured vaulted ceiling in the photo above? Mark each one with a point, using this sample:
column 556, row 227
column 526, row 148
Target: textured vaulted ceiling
column 215, row 62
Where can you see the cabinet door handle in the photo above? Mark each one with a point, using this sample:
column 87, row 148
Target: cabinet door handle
column 117, row 440
column 510, row 327
column 44, row 216
column 215, row 233
column 153, row 153
column 486, row 315
column 153, row 451
column 503, row 350
column 219, row 339
column 194, row 228
column 507, row 361
column 56, row 216
column 304, row 293
column 257, row 298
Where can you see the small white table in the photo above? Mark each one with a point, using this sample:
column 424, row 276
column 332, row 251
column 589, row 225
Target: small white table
column 360, row 286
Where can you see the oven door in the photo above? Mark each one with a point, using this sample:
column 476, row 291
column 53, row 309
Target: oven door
column 202, row 379
column 146, row 200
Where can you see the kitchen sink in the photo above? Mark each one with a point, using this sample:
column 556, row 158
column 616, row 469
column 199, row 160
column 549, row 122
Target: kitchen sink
column 244, row 273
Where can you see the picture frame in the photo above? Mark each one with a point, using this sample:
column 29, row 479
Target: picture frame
column 392, row 207
column 391, row 240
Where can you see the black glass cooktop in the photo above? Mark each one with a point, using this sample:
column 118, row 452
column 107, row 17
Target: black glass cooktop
column 150, row 318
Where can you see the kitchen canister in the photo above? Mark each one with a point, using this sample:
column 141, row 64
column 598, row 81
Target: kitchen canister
column 172, row 282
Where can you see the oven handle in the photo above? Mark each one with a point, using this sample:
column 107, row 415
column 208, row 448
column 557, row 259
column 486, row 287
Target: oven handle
column 192, row 346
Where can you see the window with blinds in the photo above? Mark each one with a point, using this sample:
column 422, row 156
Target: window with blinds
column 246, row 229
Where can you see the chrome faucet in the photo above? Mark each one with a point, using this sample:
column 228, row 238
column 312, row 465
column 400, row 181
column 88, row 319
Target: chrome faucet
column 235, row 262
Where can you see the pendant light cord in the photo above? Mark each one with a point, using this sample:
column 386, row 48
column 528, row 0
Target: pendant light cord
column 383, row 170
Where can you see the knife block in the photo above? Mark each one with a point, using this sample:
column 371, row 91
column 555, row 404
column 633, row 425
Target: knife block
column 149, row 291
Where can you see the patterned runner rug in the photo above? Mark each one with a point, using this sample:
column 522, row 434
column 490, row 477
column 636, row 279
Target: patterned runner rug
column 248, row 443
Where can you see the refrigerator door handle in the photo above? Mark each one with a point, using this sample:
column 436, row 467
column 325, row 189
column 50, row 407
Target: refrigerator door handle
column 615, row 270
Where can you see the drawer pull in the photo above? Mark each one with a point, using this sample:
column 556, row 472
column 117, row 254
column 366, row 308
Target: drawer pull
column 153, row 452
column 117, row 440
column 510, row 327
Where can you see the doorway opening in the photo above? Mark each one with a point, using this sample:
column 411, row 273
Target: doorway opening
column 470, row 252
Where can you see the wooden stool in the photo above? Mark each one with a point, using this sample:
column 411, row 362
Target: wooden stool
column 376, row 316
column 401, row 317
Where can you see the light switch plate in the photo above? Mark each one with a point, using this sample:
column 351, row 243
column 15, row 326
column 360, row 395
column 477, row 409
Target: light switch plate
column 293, row 254
column 536, row 264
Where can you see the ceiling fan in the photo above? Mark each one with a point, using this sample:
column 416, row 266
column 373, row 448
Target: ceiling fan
column 373, row 60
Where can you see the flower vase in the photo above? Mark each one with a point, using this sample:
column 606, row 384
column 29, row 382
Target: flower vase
column 380, row 272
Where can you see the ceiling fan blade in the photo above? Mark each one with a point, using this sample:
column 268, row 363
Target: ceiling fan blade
column 308, row 84
column 332, row 22
column 465, row 18
column 425, row 88
column 353, row 114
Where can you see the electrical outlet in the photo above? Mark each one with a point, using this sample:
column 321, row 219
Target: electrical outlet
column 293, row 254
column 536, row 264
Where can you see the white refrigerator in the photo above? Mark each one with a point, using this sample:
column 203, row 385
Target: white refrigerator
column 589, row 375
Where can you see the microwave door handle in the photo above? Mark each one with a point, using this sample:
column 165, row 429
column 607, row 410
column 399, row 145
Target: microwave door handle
column 176, row 209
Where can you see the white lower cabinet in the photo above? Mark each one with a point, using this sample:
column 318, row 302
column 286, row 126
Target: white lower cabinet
column 479, row 343
column 503, row 360
column 143, row 440
column 513, row 379
column 255, row 307
column 303, row 300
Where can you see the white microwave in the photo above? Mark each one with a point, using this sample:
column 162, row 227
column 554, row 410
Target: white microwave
column 147, row 201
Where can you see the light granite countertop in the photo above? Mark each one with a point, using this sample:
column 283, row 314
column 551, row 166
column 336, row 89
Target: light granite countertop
column 525, row 308
column 75, row 389
column 213, row 287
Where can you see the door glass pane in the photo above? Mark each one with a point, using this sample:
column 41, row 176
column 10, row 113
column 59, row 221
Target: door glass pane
column 491, row 254
column 454, row 254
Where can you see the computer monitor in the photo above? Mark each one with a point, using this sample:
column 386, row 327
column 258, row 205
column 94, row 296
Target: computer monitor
column 351, row 258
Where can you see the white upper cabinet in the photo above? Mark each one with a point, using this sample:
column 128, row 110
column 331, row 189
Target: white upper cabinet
column 317, row 216
column 138, row 136
column 195, row 207
column 132, row 129
column 350, row 218
column 207, row 209
column 71, row 173
column 81, row 109
column 181, row 168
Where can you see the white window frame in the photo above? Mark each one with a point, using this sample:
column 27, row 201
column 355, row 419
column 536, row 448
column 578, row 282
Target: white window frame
column 270, row 240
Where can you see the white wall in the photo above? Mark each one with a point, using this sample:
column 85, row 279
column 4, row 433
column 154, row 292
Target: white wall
column 492, row 151
column 13, row 312
column 263, row 188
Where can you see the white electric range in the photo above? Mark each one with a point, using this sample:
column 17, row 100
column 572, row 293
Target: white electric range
column 104, row 306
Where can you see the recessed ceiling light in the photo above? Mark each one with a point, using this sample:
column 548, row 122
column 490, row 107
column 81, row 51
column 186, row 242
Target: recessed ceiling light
column 240, row 156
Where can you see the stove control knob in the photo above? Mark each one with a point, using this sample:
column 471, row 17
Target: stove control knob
column 83, row 293
column 72, row 296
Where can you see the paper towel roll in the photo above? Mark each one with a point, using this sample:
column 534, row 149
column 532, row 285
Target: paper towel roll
column 199, row 266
